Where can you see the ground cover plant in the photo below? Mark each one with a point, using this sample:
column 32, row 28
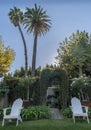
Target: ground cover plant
column 35, row 113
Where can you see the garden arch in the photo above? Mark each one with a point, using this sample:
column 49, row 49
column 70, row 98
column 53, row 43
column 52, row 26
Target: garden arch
column 52, row 76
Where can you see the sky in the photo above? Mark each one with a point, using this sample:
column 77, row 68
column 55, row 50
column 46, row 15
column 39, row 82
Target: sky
column 67, row 16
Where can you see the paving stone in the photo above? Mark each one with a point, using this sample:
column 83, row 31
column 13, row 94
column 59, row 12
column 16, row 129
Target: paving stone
column 56, row 113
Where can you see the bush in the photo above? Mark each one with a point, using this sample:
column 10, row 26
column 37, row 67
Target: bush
column 18, row 87
column 36, row 112
column 89, row 112
column 1, row 113
column 67, row 112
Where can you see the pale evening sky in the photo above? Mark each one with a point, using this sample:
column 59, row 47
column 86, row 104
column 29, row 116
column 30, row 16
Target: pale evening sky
column 67, row 16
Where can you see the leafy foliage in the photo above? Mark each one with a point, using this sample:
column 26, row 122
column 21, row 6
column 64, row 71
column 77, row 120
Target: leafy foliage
column 36, row 112
column 16, row 16
column 1, row 112
column 49, row 76
column 21, row 72
column 67, row 112
column 18, row 88
column 36, row 20
column 80, row 87
column 74, row 53
column 6, row 58
column 56, row 77
column 3, row 89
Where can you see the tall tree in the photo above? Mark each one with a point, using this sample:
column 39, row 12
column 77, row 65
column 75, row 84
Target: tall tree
column 75, row 52
column 6, row 58
column 37, row 21
column 16, row 17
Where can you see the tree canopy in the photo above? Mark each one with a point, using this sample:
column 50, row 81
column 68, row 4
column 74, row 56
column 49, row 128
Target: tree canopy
column 74, row 54
column 6, row 58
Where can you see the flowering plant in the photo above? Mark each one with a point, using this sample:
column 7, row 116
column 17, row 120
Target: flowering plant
column 79, row 86
column 81, row 81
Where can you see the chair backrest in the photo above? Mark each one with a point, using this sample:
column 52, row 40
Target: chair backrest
column 16, row 107
column 76, row 106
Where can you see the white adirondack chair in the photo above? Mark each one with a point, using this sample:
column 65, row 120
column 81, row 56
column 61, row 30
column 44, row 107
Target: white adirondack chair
column 77, row 109
column 15, row 111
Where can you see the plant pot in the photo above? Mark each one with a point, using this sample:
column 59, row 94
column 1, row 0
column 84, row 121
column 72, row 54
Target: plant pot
column 86, row 103
column 26, row 103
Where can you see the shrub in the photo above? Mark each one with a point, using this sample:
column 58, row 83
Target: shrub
column 89, row 112
column 67, row 112
column 18, row 87
column 36, row 112
column 80, row 87
column 1, row 113
column 3, row 89
column 32, row 113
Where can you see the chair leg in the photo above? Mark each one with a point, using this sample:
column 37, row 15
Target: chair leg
column 17, row 122
column 74, row 119
column 20, row 119
column 87, row 119
column 3, row 122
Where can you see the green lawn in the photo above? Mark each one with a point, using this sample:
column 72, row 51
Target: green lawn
column 64, row 124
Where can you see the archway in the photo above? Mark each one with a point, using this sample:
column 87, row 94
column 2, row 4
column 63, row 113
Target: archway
column 56, row 77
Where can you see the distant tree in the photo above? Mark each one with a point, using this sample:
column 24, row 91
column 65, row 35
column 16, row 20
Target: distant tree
column 6, row 58
column 38, row 71
column 20, row 72
column 75, row 53
column 8, row 75
column 37, row 21
column 16, row 17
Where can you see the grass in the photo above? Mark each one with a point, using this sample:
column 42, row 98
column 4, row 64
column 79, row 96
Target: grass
column 64, row 124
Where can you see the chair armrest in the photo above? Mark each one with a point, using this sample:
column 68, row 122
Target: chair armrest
column 5, row 110
column 21, row 109
column 86, row 108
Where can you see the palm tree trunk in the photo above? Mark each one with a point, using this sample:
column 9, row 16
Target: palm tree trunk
column 34, row 56
column 25, row 51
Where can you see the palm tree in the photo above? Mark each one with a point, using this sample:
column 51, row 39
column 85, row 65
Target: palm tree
column 37, row 21
column 16, row 17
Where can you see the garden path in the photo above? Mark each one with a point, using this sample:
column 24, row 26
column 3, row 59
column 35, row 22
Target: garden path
column 56, row 113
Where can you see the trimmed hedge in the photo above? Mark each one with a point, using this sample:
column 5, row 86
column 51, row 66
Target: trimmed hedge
column 18, row 88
